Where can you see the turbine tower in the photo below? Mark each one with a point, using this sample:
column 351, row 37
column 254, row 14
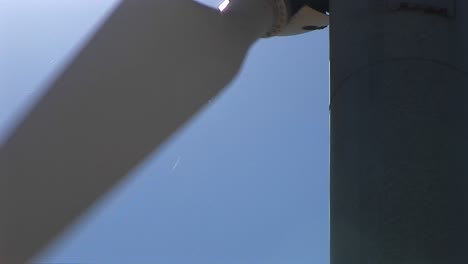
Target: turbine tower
column 399, row 129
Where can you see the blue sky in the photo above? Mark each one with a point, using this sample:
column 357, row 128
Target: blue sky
column 246, row 181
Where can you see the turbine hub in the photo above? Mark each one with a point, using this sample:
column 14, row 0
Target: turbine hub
column 294, row 17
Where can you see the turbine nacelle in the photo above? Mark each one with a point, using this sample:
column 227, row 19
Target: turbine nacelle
column 292, row 17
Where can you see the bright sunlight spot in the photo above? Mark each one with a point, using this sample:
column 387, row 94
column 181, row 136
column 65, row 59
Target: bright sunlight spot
column 223, row 5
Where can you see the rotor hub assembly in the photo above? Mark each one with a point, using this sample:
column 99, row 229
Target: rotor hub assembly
column 294, row 17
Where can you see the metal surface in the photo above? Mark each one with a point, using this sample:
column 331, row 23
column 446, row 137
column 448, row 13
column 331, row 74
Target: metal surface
column 150, row 67
column 399, row 126
column 305, row 20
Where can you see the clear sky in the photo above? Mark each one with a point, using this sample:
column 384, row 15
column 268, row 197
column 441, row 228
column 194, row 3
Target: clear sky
column 245, row 182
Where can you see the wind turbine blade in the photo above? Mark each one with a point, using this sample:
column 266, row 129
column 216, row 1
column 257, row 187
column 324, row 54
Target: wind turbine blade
column 147, row 70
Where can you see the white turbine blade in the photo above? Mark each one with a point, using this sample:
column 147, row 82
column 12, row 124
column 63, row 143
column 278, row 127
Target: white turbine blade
column 149, row 68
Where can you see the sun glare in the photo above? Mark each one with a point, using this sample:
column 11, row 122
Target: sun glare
column 223, row 5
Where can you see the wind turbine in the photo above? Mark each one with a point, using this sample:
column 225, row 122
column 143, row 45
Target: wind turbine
column 398, row 118
column 147, row 70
